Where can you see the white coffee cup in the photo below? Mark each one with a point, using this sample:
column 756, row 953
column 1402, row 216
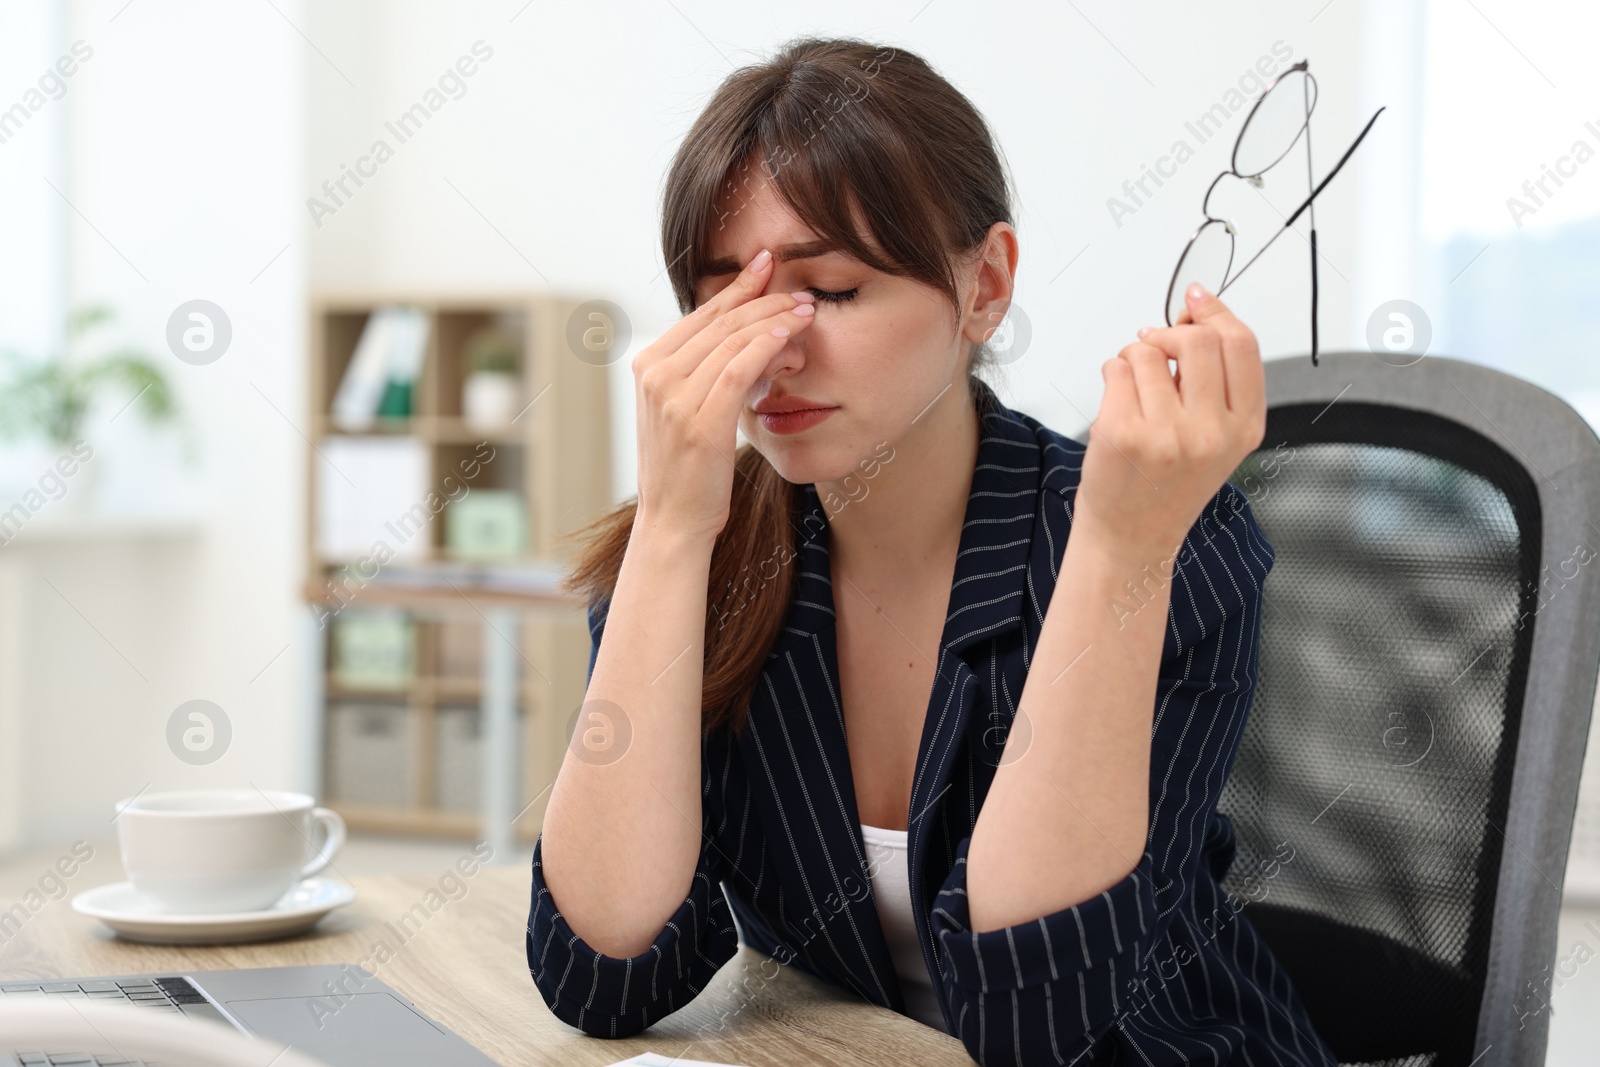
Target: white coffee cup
column 211, row 851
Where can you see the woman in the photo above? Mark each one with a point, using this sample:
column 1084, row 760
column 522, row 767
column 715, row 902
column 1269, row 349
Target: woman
column 928, row 699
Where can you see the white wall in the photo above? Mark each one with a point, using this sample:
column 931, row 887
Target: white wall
column 181, row 161
column 564, row 136
column 190, row 142
column 33, row 274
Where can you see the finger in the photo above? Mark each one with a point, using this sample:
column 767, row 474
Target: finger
column 1201, row 305
column 765, row 332
column 1119, row 413
column 1119, row 405
column 747, row 285
column 690, row 354
column 1201, row 378
column 728, row 391
column 1158, row 393
column 1243, row 374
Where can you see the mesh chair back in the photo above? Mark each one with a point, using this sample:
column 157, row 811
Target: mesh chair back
column 1375, row 797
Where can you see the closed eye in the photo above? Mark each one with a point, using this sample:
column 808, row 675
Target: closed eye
column 825, row 297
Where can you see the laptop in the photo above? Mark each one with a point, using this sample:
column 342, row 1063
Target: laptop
column 340, row 1014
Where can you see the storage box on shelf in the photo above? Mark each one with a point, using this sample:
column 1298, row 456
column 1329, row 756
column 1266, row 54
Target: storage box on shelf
column 405, row 595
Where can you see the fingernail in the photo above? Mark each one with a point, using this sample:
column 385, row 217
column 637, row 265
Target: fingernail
column 1144, row 330
column 803, row 296
column 805, row 309
column 763, row 257
column 780, row 331
column 1197, row 292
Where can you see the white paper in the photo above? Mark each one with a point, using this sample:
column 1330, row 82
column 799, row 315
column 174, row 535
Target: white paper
column 391, row 347
column 356, row 401
column 652, row 1059
column 408, row 344
column 369, row 489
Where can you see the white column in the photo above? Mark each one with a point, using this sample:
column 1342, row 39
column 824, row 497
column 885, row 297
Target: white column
column 501, row 752
column 1388, row 165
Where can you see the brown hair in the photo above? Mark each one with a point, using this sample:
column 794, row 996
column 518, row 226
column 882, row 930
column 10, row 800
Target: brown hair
column 842, row 128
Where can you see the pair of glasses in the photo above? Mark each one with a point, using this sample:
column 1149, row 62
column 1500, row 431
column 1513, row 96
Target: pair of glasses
column 1270, row 130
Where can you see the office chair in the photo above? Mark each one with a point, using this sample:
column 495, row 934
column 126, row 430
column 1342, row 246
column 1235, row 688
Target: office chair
column 1404, row 791
column 121, row 1032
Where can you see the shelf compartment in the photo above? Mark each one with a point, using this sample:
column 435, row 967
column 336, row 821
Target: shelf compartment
column 369, row 745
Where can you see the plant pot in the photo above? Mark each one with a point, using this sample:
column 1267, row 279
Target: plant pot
column 83, row 487
column 490, row 400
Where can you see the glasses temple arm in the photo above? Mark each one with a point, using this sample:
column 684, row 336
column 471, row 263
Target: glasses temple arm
column 1313, row 297
column 1329, row 176
column 1311, row 174
column 1307, row 203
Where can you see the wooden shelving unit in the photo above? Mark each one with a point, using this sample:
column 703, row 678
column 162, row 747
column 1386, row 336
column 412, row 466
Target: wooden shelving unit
column 408, row 744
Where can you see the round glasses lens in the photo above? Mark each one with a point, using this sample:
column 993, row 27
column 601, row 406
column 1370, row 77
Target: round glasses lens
column 1206, row 260
column 1275, row 124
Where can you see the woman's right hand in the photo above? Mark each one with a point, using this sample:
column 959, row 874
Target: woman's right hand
column 690, row 386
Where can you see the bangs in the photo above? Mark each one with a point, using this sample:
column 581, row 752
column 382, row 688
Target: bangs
column 832, row 148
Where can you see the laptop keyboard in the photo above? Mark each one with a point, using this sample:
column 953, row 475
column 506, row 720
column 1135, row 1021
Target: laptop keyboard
column 154, row 994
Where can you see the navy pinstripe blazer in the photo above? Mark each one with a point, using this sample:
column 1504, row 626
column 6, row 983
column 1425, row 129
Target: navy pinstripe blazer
column 1161, row 968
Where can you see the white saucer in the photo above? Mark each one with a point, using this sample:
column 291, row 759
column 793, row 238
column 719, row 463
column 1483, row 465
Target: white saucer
column 122, row 908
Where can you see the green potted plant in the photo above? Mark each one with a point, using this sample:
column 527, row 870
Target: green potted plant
column 491, row 391
column 48, row 399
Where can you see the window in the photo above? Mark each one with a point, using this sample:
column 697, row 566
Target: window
column 1510, row 192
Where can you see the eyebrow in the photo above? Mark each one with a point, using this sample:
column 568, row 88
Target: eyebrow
column 783, row 253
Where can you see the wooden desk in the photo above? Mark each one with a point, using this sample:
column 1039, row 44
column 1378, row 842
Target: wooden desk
column 466, row 967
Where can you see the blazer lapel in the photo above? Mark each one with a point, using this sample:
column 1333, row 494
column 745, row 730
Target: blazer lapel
column 795, row 741
column 988, row 599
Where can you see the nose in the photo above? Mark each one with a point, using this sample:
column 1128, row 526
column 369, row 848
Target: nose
column 790, row 358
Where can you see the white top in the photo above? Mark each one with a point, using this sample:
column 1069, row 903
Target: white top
column 891, row 887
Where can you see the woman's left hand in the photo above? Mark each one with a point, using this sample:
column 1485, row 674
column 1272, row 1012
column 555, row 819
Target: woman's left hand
column 1161, row 445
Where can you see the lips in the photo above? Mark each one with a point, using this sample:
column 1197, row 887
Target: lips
column 787, row 418
column 785, row 405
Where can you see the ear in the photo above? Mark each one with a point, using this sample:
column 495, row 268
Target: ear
column 990, row 284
